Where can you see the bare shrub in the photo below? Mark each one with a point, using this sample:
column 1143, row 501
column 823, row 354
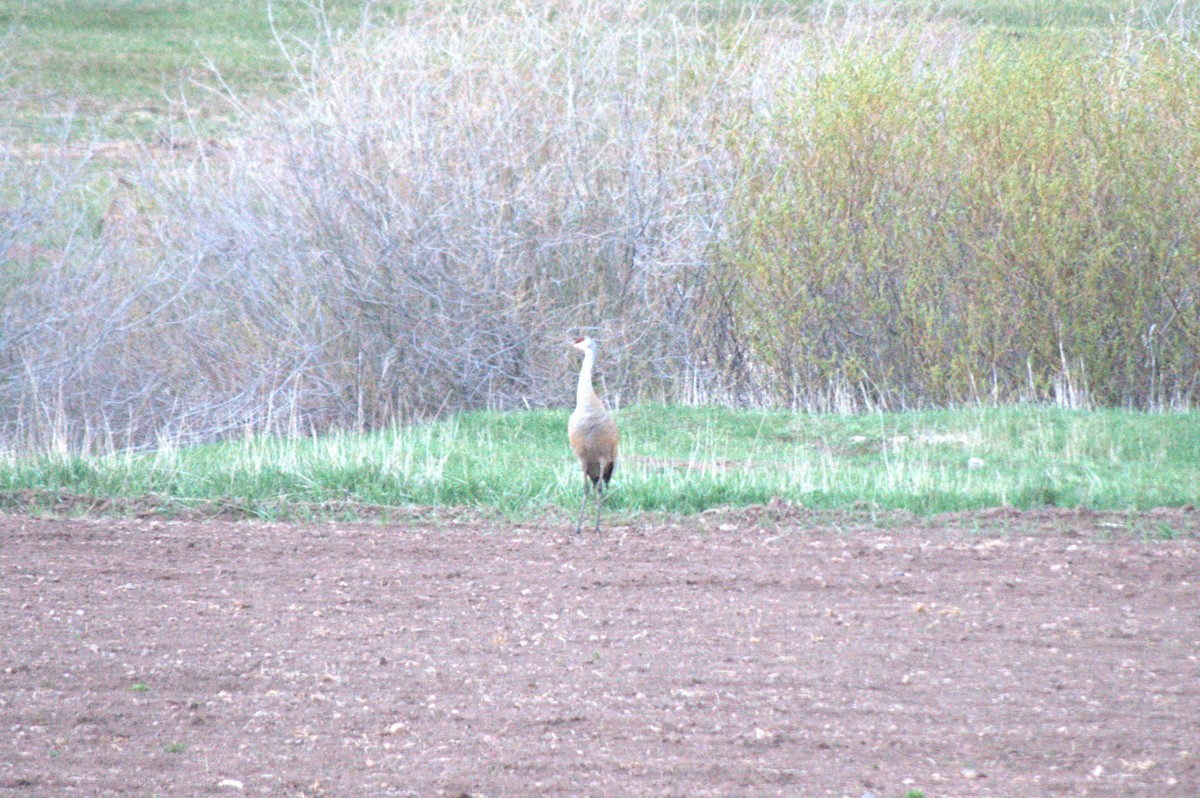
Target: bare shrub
column 441, row 205
column 48, row 290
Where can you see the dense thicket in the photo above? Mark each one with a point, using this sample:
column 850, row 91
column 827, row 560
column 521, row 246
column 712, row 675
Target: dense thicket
column 835, row 214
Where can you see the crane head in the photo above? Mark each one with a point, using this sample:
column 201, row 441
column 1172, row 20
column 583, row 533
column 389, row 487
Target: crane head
column 583, row 344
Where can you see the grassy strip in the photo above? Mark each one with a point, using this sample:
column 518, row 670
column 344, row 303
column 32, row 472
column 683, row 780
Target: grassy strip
column 675, row 459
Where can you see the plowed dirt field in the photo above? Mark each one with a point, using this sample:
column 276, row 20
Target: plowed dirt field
column 731, row 654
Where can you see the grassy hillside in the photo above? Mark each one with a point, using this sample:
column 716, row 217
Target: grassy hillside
column 118, row 66
column 673, row 459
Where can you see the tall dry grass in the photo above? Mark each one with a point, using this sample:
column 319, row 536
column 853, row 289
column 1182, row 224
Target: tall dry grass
column 828, row 213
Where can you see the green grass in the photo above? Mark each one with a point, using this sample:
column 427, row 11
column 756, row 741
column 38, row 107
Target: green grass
column 673, row 459
column 116, row 65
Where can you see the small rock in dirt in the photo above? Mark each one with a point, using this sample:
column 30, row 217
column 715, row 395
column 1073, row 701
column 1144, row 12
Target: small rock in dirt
column 396, row 728
column 970, row 773
column 231, row 784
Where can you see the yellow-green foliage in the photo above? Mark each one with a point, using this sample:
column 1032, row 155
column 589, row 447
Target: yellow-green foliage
column 952, row 223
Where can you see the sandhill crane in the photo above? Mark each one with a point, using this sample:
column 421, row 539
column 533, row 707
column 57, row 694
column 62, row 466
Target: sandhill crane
column 593, row 434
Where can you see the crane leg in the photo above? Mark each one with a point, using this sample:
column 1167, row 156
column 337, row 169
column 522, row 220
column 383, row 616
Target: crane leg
column 599, row 500
column 582, row 507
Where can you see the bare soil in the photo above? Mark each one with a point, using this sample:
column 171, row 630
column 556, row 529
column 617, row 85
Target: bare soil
column 759, row 652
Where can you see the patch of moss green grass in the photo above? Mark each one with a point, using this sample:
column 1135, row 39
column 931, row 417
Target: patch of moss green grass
column 673, row 459
column 116, row 66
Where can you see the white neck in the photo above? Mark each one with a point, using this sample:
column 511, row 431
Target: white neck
column 585, row 394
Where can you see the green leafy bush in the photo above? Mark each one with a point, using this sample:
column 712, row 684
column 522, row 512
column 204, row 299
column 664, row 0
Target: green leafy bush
column 993, row 222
